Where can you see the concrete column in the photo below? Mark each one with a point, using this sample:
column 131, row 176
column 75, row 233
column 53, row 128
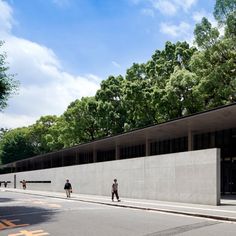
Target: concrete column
column 94, row 155
column 190, row 140
column 41, row 164
column 77, row 157
column 62, row 159
column 218, row 177
column 51, row 160
column 147, row 147
column 14, row 181
column 213, row 140
column 117, row 152
column 171, row 146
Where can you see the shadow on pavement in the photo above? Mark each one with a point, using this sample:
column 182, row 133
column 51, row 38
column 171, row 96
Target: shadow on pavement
column 229, row 197
column 5, row 199
column 19, row 215
column 228, row 200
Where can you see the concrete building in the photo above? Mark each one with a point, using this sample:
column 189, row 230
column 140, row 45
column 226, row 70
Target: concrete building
column 190, row 159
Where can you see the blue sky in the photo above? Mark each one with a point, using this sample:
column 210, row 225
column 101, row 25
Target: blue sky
column 62, row 49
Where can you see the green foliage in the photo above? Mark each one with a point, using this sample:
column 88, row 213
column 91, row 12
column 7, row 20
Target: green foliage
column 216, row 68
column 176, row 81
column 230, row 29
column 181, row 94
column 44, row 135
column 8, row 85
column 15, row 145
column 110, row 109
column 205, row 35
column 80, row 122
column 223, row 8
column 137, row 98
column 160, row 69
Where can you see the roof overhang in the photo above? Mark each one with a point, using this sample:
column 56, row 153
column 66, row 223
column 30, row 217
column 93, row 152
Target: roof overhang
column 208, row 121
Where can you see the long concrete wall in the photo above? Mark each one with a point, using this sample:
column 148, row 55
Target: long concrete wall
column 191, row 177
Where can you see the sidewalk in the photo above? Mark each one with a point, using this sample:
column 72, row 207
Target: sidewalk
column 225, row 212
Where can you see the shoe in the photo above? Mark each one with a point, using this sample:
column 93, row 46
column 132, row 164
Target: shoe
column 119, row 200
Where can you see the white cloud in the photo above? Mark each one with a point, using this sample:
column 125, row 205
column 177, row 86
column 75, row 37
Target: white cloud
column 147, row 12
column 176, row 31
column 114, row 63
column 6, row 19
column 198, row 15
column 12, row 120
column 164, row 6
column 185, row 4
column 45, row 87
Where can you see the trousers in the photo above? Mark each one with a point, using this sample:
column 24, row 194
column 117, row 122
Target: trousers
column 115, row 192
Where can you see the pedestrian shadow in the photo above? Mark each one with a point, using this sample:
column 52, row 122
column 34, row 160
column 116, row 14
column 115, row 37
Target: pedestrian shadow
column 5, row 199
column 21, row 216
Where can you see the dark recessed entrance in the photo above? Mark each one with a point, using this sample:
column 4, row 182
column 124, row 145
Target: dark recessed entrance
column 228, row 176
column 228, row 162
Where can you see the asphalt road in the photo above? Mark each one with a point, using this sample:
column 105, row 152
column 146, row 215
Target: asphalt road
column 22, row 214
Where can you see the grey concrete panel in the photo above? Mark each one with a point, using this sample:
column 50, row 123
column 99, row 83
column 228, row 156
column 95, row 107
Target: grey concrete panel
column 191, row 177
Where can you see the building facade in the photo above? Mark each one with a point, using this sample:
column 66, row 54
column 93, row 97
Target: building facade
column 215, row 128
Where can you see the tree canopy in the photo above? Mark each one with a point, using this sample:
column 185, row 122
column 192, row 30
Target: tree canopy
column 178, row 80
column 7, row 83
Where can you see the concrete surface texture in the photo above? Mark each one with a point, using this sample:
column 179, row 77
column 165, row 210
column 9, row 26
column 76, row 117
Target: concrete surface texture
column 191, row 177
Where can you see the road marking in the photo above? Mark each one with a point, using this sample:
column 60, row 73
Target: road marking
column 7, row 224
column 30, row 233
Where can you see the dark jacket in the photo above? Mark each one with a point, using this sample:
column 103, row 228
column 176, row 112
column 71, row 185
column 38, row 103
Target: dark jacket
column 67, row 186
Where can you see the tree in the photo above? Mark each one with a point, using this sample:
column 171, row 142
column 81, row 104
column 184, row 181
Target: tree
column 111, row 113
column 160, row 69
column 8, row 85
column 216, row 69
column 2, row 132
column 230, row 29
column 205, row 35
column 44, row 135
column 80, row 122
column 137, row 98
column 223, row 8
column 15, row 145
column 215, row 64
column 182, row 96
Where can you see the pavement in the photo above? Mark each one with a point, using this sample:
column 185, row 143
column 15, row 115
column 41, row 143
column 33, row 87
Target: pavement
column 224, row 212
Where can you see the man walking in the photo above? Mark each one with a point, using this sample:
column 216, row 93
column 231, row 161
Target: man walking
column 114, row 191
column 68, row 188
column 24, row 184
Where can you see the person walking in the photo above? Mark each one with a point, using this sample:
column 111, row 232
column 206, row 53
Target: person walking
column 23, row 184
column 68, row 188
column 114, row 191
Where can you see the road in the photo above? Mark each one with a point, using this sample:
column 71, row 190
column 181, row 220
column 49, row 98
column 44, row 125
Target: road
column 22, row 214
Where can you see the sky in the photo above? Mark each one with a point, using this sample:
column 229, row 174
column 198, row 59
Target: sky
column 61, row 50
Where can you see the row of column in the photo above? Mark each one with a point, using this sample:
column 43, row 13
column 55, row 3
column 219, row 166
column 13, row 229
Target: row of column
column 117, row 150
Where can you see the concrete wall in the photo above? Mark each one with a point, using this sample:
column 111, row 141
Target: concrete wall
column 191, row 177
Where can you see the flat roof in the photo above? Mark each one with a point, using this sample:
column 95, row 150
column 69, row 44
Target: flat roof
column 216, row 119
column 220, row 118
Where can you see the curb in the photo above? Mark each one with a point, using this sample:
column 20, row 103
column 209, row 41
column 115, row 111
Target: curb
column 212, row 217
